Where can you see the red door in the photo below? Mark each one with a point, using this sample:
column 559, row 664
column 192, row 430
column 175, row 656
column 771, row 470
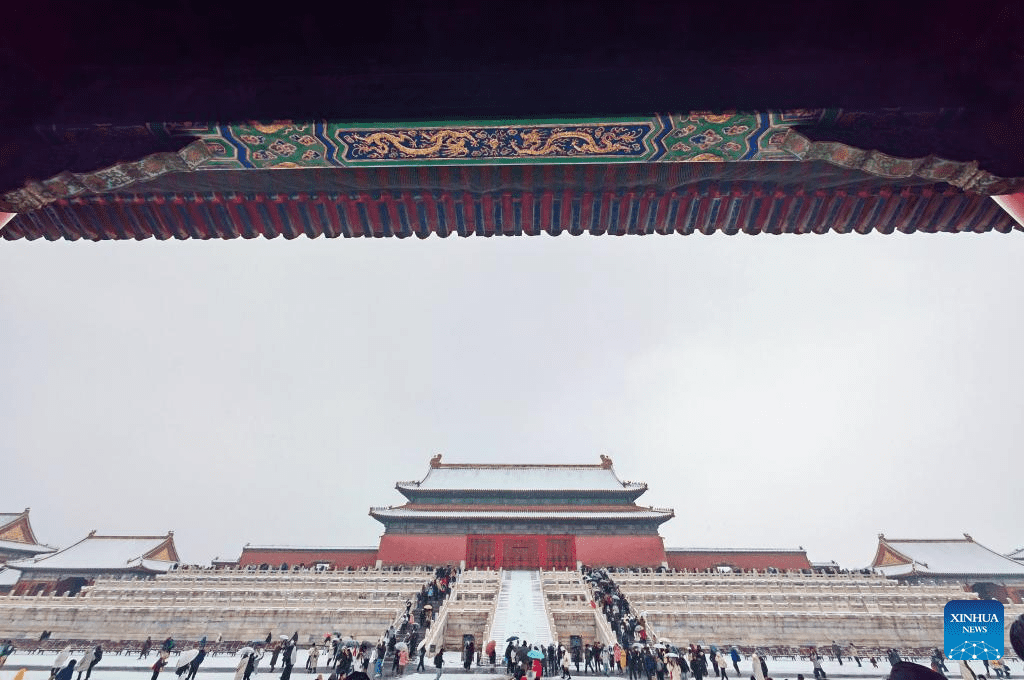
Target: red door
column 481, row 554
column 520, row 553
column 560, row 554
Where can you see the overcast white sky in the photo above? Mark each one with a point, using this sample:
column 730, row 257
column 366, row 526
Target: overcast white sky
column 775, row 391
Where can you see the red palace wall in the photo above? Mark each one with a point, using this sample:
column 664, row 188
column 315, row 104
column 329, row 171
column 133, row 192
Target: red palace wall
column 699, row 561
column 620, row 551
column 340, row 558
column 422, row 549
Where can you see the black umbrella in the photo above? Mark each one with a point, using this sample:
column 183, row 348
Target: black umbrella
column 905, row 670
column 358, row 675
column 514, row 637
column 1017, row 636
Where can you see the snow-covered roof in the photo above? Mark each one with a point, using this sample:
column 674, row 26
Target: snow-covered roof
column 108, row 553
column 8, row 577
column 30, row 548
column 637, row 513
column 898, row 557
column 8, row 517
column 453, row 477
column 1017, row 554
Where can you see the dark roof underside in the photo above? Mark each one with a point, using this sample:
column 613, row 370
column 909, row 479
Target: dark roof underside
column 748, row 197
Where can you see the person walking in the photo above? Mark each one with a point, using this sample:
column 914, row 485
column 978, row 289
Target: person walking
column 250, row 666
column 837, row 652
column 735, row 654
column 722, row 663
column 193, row 667
column 439, row 662
column 240, row 668
column 756, row 667
column 423, row 655
column 288, row 660
column 86, row 662
column 819, row 672
column 146, row 646
column 403, row 661
column 274, row 654
column 566, row 660
column 161, row 661
column 699, row 667
column 588, row 658
column 312, row 658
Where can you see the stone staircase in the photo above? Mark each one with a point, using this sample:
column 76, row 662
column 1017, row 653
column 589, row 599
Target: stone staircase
column 521, row 609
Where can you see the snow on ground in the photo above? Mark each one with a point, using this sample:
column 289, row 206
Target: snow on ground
column 133, row 668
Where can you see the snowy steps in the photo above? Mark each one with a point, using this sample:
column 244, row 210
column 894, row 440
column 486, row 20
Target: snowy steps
column 520, row 610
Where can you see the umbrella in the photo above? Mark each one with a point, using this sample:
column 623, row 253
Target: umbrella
column 666, row 641
column 63, row 657
column 1017, row 636
column 672, row 655
column 351, row 643
column 535, row 654
column 187, row 657
column 401, row 646
column 428, row 606
column 905, row 670
column 284, row 637
column 490, row 646
column 514, row 637
column 246, row 651
column 358, row 675
column 637, row 644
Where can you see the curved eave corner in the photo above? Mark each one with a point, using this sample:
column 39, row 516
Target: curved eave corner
column 1013, row 204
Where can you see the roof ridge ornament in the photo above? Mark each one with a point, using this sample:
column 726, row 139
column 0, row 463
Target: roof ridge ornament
column 435, row 462
column 606, row 462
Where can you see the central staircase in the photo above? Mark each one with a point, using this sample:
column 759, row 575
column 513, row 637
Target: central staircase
column 520, row 609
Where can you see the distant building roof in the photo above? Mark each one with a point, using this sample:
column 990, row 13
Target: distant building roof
column 8, row 577
column 953, row 557
column 482, row 477
column 108, row 554
column 17, row 538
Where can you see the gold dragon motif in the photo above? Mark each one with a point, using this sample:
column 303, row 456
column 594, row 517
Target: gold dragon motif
column 579, row 141
column 441, row 142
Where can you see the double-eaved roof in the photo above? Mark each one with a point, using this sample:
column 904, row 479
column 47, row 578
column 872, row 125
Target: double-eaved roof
column 532, row 492
column 107, row 554
column 941, row 557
